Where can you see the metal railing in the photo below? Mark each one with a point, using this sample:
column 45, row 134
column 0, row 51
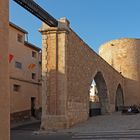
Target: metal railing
column 37, row 11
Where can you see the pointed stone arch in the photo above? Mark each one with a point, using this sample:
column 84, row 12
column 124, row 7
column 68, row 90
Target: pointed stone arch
column 119, row 99
column 102, row 92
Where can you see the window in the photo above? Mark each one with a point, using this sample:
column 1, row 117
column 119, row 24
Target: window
column 16, row 87
column 34, row 54
column 18, row 65
column 40, row 63
column 33, row 76
column 20, row 38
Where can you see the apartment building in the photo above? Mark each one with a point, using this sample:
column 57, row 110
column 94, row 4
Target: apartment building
column 25, row 75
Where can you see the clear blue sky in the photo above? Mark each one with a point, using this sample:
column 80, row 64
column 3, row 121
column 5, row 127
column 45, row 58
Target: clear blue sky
column 95, row 21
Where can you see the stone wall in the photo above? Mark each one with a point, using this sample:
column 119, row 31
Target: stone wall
column 69, row 65
column 4, row 86
column 54, row 89
column 124, row 56
column 82, row 65
column 20, row 116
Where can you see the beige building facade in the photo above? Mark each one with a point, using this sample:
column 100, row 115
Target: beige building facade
column 24, row 75
column 4, row 75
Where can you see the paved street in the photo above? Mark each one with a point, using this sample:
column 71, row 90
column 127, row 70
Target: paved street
column 125, row 135
column 31, row 132
column 20, row 135
column 106, row 127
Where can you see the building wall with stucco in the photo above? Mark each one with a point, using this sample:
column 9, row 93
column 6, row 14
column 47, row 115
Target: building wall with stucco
column 24, row 75
column 4, row 73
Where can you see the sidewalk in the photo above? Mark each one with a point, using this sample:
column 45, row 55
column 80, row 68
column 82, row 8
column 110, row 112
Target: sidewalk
column 22, row 123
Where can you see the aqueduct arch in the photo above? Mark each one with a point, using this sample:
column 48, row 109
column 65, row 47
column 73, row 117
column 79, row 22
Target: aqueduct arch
column 68, row 66
column 99, row 99
column 102, row 92
column 119, row 99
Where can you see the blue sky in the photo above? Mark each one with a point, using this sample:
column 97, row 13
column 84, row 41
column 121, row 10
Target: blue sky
column 95, row 21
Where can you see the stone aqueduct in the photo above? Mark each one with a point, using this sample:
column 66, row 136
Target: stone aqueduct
column 68, row 67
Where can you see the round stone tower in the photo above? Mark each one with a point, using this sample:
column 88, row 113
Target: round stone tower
column 124, row 55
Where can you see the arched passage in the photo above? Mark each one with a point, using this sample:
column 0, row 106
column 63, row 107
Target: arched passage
column 102, row 102
column 94, row 102
column 119, row 100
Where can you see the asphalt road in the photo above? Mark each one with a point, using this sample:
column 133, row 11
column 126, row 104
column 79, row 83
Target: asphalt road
column 31, row 132
column 30, row 136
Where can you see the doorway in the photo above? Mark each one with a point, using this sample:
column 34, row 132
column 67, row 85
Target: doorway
column 119, row 101
column 33, row 99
